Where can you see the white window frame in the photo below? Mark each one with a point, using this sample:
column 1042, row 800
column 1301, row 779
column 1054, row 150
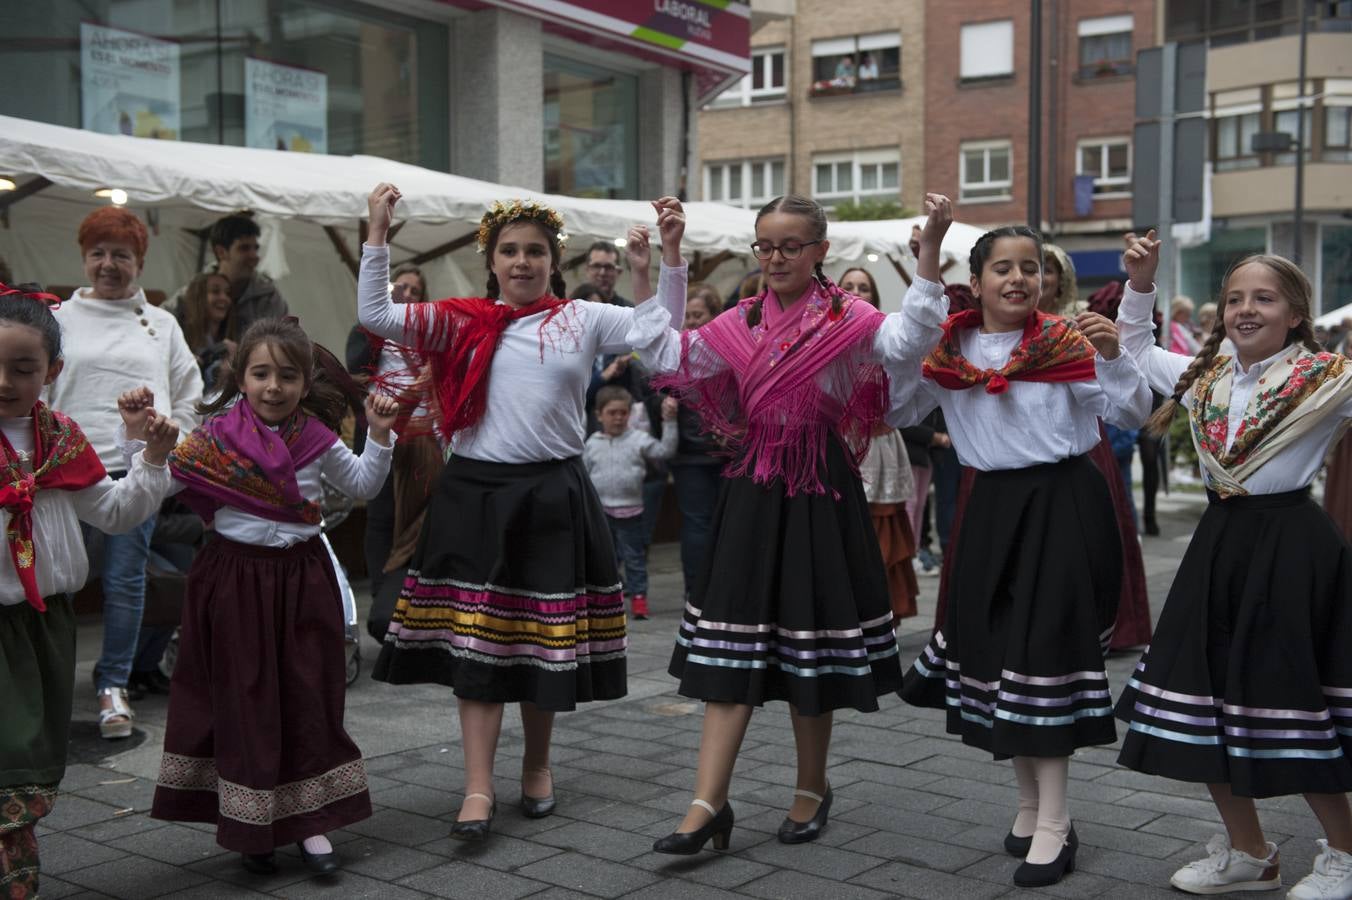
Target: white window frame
column 1103, row 26
column 976, row 60
column 1119, row 186
column 753, row 195
column 858, row 161
column 743, row 94
column 964, row 185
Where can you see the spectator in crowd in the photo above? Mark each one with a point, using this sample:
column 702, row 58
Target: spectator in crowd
column 116, row 341
column 868, row 68
column 1182, row 338
column 234, row 243
column 204, row 312
column 603, row 270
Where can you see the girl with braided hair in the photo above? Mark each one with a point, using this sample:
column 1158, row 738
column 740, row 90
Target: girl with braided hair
column 512, row 595
column 1247, row 685
column 793, row 602
column 1017, row 661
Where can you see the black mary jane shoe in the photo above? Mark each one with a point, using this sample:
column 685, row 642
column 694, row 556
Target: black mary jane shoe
column 538, row 807
column 259, row 863
column 1018, row 846
column 1046, row 874
column 476, row 829
column 319, row 863
column 791, row 832
column 688, row 843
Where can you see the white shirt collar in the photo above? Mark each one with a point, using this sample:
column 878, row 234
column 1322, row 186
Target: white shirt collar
column 1259, row 367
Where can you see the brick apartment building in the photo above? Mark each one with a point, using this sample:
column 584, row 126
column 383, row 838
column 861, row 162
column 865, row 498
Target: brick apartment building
column 953, row 118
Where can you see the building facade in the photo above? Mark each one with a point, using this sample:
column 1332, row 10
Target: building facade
column 977, row 118
column 1253, row 90
column 832, row 109
column 587, row 97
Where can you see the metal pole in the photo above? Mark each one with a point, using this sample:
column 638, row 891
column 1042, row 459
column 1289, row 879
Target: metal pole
column 1035, row 117
column 1168, row 92
column 1297, row 239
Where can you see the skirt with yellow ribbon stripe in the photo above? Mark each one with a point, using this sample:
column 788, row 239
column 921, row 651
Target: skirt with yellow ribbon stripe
column 513, row 593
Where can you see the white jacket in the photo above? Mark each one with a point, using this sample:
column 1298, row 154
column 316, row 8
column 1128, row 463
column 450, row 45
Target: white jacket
column 616, row 464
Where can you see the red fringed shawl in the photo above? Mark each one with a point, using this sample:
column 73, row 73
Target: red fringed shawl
column 1051, row 350
column 469, row 328
column 62, row 460
column 777, row 390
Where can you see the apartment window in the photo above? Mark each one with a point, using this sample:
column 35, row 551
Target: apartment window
column 1223, row 22
column 1105, row 46
column 1236, row 118
column 874, row 173
column 1337, row 120
column 987, row 50
column 746, row 183
column 767, row 81
column 1109, row 161
column 987, row 171
column 856, row 64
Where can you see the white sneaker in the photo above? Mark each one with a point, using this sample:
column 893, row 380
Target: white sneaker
column 1226, row 869
column 1331, row 878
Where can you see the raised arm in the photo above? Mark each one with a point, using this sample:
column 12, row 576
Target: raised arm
column 1135, row 317
column 1120, row 396
column 376, row 309
column 362, row 477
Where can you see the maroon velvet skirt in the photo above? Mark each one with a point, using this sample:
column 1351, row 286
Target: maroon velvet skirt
column 255, row 743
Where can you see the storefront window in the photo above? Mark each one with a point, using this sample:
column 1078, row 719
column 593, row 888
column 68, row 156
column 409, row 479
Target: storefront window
column 591, row 130
column 332, row 77
column 1202, row 268
column 1335, row 262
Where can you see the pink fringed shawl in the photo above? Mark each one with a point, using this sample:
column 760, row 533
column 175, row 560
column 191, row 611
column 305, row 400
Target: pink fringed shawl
column 777, row 390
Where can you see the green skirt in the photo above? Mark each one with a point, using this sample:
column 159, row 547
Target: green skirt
column 37, row 682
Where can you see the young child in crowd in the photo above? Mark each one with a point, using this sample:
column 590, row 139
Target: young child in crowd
column 793, row 604
column 616, row 459
column 51, row 479
column 1247, row 684
column 254, row 742
column 1018, row 660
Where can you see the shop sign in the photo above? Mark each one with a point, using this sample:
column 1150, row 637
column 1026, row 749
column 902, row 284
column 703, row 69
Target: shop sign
column 285, row 107
column 129, row 83
column 707, row 33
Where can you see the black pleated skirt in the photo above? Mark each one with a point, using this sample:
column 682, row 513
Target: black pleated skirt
column 1248, row 680
column 513, row 592
column 794, row 604
column 1018, row 660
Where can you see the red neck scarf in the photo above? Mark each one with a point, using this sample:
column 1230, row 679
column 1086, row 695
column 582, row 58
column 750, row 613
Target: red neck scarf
column 63, row 461
column 469, row 329
column 1050, row 350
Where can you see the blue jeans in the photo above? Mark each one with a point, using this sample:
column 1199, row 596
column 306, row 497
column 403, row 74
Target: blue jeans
column 652, row 505
column 631, row 550
column 696, row 495
column 947, row 479
column 124, row 599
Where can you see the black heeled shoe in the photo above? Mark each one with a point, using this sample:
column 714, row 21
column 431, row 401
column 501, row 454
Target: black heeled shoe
column 259, row 863
column 1018, row 846
column 319, row 863
column 1045, row 874
column 538, row 807
column 688, row 843
column 791, row 832
column 476, row 829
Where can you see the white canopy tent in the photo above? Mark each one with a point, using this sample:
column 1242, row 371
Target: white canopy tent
column 311, row 209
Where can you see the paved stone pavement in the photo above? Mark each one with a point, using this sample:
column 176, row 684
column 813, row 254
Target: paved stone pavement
column 917, row 814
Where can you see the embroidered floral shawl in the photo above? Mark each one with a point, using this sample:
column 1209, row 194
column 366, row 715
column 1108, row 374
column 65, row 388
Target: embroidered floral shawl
column 234, row 459
column 1050, row 350
column 1304, row 388
column 776, row 391
column 62, row 460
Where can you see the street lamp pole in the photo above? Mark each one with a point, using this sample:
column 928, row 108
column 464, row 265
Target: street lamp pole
column 1035, row 117
column 1297, row 240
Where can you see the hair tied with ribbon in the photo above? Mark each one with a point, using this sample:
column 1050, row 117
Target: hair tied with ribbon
column 51, row 300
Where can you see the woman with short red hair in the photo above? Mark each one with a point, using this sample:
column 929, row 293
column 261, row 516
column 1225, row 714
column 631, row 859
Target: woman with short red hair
column 116, row 340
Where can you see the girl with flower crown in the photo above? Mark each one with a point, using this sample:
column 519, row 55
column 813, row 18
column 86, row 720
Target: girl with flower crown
column 793, row 603
column 512, row 595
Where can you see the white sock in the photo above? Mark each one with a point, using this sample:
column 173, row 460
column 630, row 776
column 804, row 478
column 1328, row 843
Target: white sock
column 1053, row 818
column 317, row 845
column 1026, row 821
